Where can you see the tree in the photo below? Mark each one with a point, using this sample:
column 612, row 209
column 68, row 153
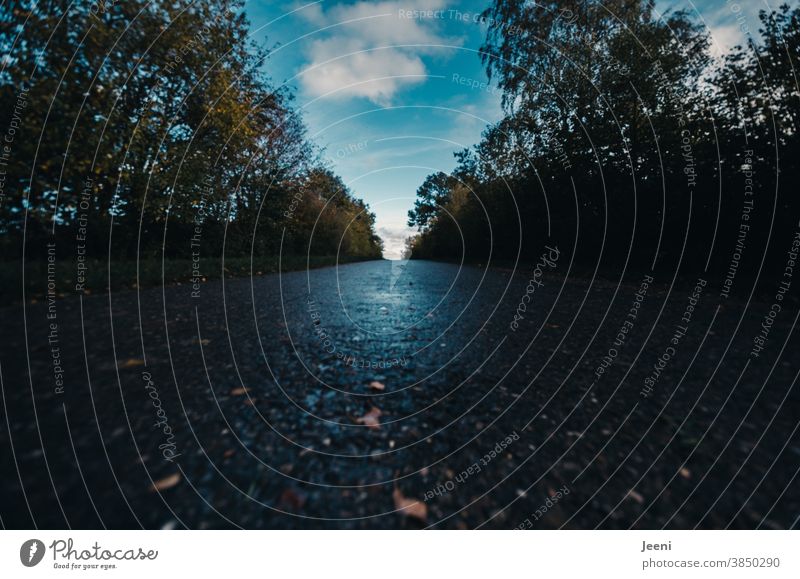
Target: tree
column 145, row 124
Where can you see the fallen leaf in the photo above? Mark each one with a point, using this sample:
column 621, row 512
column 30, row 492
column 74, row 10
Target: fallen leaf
column 370, row 419
column 132, row 363
column 410, row 507
column 636, row 496
column 166, row 483
column 238, row 391
column 375, row 385
column 292, row 501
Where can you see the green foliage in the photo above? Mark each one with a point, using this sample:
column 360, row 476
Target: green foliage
column 150, row 128
column 623, row 139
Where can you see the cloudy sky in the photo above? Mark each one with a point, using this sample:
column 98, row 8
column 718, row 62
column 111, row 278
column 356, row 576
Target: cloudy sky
column 391, row 94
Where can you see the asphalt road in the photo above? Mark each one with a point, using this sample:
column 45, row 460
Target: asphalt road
column 254, row 403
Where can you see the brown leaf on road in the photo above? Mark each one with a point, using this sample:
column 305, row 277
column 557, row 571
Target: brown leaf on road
column 238, row 391
column 410, row 507
column 375, row 385
column 131, row 363
column 291, row 500
column 370, row 419
column 166, row 483
column 636, row 496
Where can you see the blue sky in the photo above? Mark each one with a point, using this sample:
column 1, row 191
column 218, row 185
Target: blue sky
column 391, row 93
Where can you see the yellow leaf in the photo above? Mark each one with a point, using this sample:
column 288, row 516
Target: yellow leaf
column 370, row 419
column 166, row 483
column 410, row 507
column 132, row 363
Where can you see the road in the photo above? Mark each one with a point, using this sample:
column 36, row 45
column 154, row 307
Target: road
column 401, row 395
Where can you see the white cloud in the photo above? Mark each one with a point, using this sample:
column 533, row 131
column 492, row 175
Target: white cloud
column 376, row 75
column 724, row 38
column 728, row 23
column 381, row 21
column 366, row 53
column 394, row 239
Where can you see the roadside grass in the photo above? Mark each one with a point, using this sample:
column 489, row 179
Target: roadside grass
column 146, row 273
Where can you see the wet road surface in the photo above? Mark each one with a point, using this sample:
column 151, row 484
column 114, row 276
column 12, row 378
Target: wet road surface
column 399, row 395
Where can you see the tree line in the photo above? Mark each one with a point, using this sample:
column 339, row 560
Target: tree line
column 142, row 128
column 625, row 141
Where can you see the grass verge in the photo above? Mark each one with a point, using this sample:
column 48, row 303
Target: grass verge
column 143, row 274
